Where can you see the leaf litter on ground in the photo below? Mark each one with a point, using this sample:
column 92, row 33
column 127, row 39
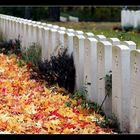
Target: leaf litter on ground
column 27, row 106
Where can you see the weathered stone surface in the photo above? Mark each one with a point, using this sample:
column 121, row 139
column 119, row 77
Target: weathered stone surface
column 134, row 91
column 130, row 44
column 114, row 41
column 104, row 66
column 100, row 37
column 73, row 19
column 90, row 68
column 88, row 34
column 78, row 54
column 69, row 43
column 121, row 85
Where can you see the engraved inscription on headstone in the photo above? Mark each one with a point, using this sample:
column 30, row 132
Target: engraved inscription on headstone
column 121, row 85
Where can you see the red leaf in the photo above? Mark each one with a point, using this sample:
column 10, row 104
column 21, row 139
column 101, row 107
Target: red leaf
column 75, row 110
column 39, row 115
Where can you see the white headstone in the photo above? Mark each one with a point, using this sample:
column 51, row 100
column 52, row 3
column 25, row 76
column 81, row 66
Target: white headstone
column 4, row 28
column 136, row 16
column 73, row 19
column 126, row 19
column 104, row 66
column 63, row 19
column 7, row 28
column 20, row 30
column 60, row 42
column 30, row 21
column 25, row 20
column 62, row 28
column 49, row 25
column 0, row 23
column 21, row 33
column 10, row 28
column 130, row 44
column 24, row 42
column 22, row 20
column 88, row 34
column 77, row 32
column 90, row 68
column 16, row 29
column 69, row 42
column 44, row 24
column 114, row 41
column 34, row 34
column 61, row 34
column 45, row 44
column 53, row 41
column 121, row 85
column 33, row 22
column 138, row 19
column 123, row 18
column 132, row 18
column 40, row 35
column 70, row 30
column 38, row 23
column 29, row 34
column 25, row 39
column 78, row 53
column 134, row 91
column 55, row 27
column 100, row 37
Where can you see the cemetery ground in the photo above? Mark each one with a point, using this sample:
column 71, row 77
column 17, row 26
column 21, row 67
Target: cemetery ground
column 109, row 29
column 30, row 106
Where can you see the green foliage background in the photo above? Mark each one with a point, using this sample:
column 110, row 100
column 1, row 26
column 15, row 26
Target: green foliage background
column 88, row 13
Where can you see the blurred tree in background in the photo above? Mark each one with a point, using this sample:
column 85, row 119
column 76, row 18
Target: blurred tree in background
column 28, row 12
column 52, row 13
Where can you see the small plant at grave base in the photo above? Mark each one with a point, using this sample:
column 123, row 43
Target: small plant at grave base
column 20, row 63
column 104, row 122
column 10, row 47
column 32, row 55
column 128, row 28
column 111, row 122
column 108, row 87
column 59, row 70
column 68, row 103
column 80, row 96
column 93, row 106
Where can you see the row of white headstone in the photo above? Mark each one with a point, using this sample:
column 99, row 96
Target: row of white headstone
column 70, row 18
column 130, row 18
column 94, row 56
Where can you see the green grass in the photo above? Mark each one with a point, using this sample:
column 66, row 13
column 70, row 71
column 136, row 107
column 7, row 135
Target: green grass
column 105, row 28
